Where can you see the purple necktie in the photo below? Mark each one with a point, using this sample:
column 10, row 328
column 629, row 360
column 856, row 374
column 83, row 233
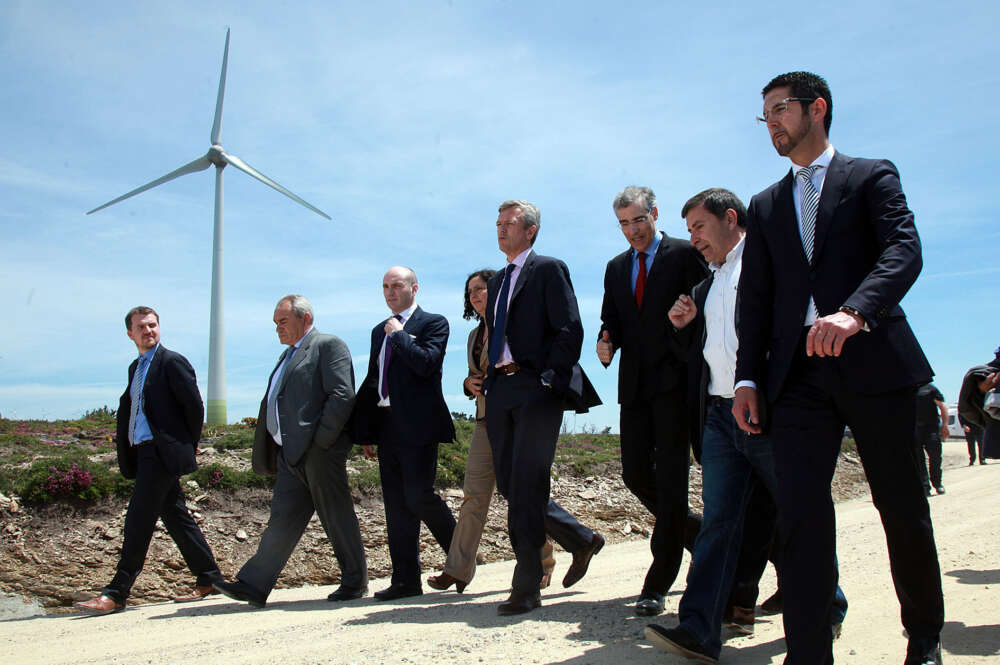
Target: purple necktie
column 385, row 362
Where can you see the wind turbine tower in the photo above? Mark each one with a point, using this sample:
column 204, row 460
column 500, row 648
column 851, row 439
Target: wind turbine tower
column 216, row 403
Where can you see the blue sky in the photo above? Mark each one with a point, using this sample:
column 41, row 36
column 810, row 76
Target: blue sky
column 408, row 123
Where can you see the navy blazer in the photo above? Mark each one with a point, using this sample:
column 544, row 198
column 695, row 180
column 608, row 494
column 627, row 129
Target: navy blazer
column 173, row 408
column 649, row 363
column 418, row 407
column 866, row 256
column 543, row 329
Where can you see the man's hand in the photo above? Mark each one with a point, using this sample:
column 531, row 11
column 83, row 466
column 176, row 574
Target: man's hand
column 744, row 405
column 966, row 428
column 944, row 432
column 682, row 312
column 604, row 350
column 827, row 336
column 989, row 382
column 369, row 452
column 392, row 325
column 474, row 384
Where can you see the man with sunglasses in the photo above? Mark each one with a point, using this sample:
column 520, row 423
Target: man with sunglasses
column 830, row 251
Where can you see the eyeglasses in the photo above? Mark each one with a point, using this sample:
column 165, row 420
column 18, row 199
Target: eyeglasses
column 780, row 108
column 641, row 219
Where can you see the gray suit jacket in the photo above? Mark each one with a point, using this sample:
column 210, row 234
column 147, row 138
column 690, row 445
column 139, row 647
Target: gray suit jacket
column 315, row 400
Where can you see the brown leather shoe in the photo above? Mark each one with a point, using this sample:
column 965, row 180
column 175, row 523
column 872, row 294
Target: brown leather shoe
column 545, row 581
column 519, row 603
column 197, row 593
column 101, row 605
column 444, row 580
column 581, row 560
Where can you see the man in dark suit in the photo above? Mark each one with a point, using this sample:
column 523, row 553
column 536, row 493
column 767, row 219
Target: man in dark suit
column 830, row 251
column 535, row 336
column 402, row 410
column 640, row 285
column 303, row 438
column 159, row 424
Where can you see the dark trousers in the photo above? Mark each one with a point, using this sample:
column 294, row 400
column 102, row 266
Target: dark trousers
column 808, row 421
column 317, row 485
column 655, row 460
column 408, row 470
column 929, row 441
column 974, row 438
column 157, row 494
column 522, row 421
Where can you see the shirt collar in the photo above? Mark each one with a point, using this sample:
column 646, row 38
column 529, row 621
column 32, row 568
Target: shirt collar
column 654, row 246
column 734, row 255
column 823, row 161
column 520, row 259
column 148, row 355
column 407, row 313
column 304, row 335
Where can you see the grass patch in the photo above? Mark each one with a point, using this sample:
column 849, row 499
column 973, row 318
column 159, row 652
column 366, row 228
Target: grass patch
column 217, row 476
column 587, row 454
column 235, row 439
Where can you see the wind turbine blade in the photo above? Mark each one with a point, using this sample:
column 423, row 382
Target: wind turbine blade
column 249, row 170
column 199, row 164
column 217, row 124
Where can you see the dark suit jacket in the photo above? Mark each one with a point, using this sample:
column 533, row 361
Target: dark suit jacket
column 173, row 408
column 314, row 402
column 543, row 329
column 866, row 255
column 649, row 363
column 418, row 407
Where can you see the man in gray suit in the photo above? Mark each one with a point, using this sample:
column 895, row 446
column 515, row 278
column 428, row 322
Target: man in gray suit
column 302, row 437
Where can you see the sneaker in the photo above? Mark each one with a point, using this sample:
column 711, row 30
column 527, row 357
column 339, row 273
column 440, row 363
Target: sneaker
column 939, row 489
column 677, row 641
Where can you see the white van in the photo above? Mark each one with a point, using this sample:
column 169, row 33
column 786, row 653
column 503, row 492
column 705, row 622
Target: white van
column 955, row 430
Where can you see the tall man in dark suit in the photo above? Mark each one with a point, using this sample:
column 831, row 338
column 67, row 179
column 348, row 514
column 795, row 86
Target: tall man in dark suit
column 402, row 410
column 159, row 424
column 535, row 337
column 640, row 285
column 830, row 251
column 303, row 437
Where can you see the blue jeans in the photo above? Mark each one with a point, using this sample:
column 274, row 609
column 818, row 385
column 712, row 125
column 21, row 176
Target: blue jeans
column 731, row 461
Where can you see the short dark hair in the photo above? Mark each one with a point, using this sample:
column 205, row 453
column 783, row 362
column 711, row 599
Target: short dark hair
column 142, row 310
column 470, row 311
column 717, row 200
column 808, row 85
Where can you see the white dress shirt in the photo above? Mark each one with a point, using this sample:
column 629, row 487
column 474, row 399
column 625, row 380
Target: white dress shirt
column 818, row 178
column 276, row 381
column 721, row 342
column 405, row 316
column 518, row 263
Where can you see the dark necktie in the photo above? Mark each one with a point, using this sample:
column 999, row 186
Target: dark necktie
column 500, row 321
column 385, row 362
column 640, row 280
column 810, row 204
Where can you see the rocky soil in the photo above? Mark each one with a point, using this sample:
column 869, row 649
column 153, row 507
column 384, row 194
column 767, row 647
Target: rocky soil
column 57, row 554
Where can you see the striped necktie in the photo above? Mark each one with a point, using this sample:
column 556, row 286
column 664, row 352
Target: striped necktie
column 810, row 204
column 135, row 392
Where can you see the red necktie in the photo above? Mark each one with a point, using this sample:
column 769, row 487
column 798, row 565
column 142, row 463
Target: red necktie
column 640, row 280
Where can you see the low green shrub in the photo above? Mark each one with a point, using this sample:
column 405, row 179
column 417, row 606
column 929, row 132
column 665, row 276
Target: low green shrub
column 70, row 477
column 235, row 439
column 217, row 476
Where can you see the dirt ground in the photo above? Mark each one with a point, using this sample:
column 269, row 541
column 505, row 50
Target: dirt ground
column 58, row 554
column 590, row 624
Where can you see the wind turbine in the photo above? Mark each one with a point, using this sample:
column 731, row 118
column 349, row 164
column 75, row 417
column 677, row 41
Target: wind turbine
column 216, row 406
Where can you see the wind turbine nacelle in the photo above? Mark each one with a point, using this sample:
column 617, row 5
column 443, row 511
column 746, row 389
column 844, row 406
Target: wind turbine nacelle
column 217, row 156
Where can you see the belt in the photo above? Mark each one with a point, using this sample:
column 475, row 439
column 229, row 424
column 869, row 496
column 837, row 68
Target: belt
column 718, row 399
column 507, row 370
column 387, row 409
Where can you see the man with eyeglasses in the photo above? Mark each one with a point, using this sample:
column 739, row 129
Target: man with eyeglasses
column 830, row 251
column 640, row 285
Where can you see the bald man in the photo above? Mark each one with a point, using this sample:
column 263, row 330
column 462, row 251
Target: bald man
column 401, row 409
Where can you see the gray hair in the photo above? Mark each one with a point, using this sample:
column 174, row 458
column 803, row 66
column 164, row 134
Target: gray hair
column 300, row 305
column 635, row 195
column 529, row 214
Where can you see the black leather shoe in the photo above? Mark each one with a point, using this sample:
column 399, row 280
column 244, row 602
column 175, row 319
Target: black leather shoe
column 242, row 592
column 519, row 603
column 678, row 641
column 581, row 560
column 348, row 593
column 923, row 651
column 397, row 591
column 649, row 604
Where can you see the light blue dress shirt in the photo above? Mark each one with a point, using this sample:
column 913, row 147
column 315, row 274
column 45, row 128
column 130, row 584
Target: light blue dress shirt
column 654, row 247
column 142, row 430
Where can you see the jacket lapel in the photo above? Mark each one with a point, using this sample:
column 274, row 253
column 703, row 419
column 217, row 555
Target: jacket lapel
column 152, row 372
column 833, row 186
column 522, row 278
column 787, row 219
column 297, row 357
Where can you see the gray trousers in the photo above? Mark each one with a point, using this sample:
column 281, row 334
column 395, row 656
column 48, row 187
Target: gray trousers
column 318, row 484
